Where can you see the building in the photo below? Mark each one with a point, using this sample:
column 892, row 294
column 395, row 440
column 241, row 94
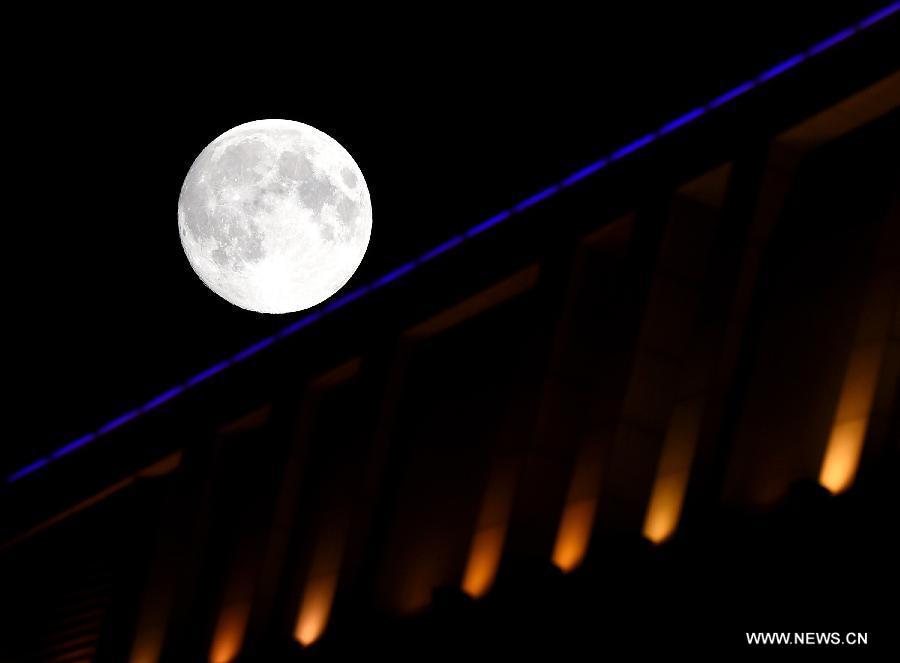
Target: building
column 658, row 402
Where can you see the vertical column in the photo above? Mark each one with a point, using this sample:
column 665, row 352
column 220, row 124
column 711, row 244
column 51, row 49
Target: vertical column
column 441, row 443
column 579, row 380
column 655, row 437
column 171, row 584
column 679, row 446
column 238, row 530
column 324, row 528
column 275, row 593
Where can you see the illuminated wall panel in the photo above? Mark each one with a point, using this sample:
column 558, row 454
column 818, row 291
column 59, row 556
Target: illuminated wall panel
column 577, row 521
column 673, row 472
column 465, row 378
column 230, row 629
column 310, row 514
column 316, row 608
column 158, row 599
column 574, row 535
column 243, row 494
column 237, row 601
column 490, row 535
column 320, row 486
column 857, row 395
column 484, row 560
column 576, row 401
column 651, row 455
column 321, row 584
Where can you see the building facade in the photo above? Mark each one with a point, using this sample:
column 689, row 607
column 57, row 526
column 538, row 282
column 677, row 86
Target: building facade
column 630, row 393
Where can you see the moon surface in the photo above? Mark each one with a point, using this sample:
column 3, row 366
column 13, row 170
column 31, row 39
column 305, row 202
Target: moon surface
column 274, row 216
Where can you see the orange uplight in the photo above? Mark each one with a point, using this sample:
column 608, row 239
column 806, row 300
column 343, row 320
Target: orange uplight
column 665, row 508
column 574, row 534
column 147, row 647
column 229, row 635
column 315, row 609
column 842, row 456
column 676, row 458
column 490, row 530
column 848, row 432
column 484, row 559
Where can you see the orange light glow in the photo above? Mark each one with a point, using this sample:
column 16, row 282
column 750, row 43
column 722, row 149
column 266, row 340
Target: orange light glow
column 316, row 609
column 667, row 498
column 574, row 534
column 230, row 630
column 490, row 531
column 148, row 642
column 149, row 655
column 665, row 508
column 484, row 559
column 322, row 579
column 848, row 432
column 842, row 456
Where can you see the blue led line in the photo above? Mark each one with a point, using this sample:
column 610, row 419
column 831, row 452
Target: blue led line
column 453, row 242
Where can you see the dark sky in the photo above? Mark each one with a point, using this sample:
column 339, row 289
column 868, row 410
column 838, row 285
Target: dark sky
column 451, row 115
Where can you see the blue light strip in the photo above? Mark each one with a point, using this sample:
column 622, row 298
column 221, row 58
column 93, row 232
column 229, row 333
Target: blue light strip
column 681, row 121
column 452, row 243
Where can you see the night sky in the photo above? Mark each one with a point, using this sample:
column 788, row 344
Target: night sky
column 451, row 116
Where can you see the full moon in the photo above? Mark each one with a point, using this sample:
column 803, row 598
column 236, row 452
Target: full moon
column 274, row 216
